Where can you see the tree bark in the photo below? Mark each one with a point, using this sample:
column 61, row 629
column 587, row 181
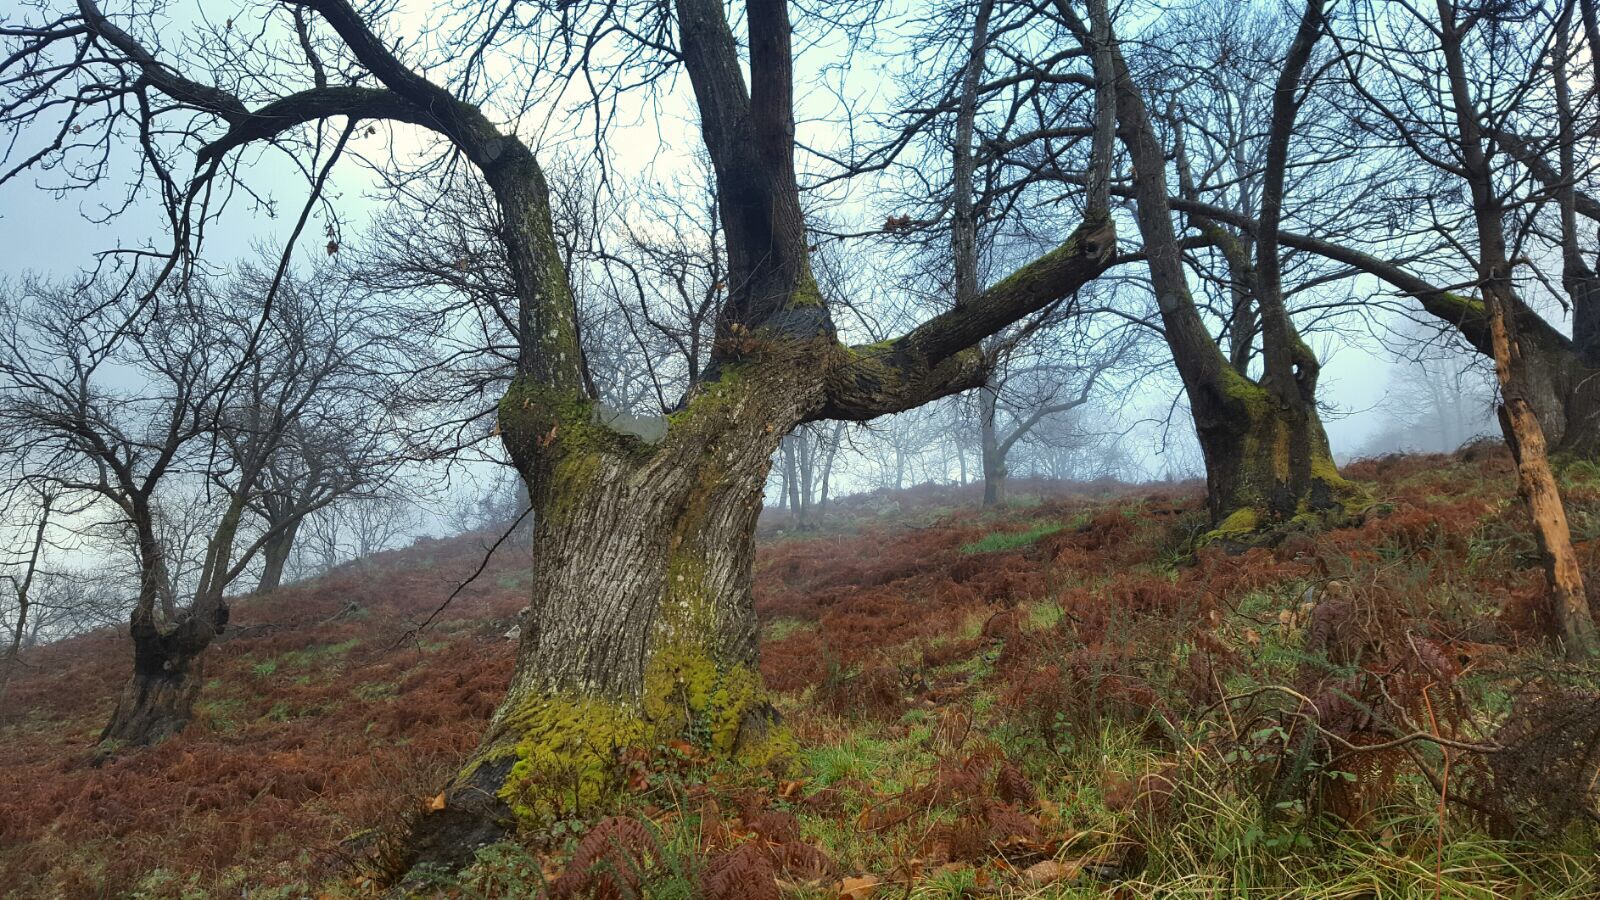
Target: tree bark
column 642, row 627
column 158, row 699
column 275, row 555
column 994, row 462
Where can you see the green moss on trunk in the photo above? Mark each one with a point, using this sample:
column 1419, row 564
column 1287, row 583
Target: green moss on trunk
column 564, row 746
column 719, row 705
column 1270, row 467
column 566, row 755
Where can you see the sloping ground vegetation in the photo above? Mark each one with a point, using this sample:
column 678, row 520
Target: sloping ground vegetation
column 1081, row 696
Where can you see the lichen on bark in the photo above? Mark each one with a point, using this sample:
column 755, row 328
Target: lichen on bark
column 662, row 649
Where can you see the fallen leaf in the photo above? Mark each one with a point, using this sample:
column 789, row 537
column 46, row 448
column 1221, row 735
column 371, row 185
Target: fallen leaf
column 1047, row 872
column 437, row 803
column 858, row 887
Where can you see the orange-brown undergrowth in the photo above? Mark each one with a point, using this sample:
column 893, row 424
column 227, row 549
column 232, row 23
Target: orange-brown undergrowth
column 322, row 720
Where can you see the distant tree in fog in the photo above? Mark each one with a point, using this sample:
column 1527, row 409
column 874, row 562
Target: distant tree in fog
column 354, row 529
column 1437, row 399
column 165, row 433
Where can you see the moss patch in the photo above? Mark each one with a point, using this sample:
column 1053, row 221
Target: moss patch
column 567, row 753
column 567, row 746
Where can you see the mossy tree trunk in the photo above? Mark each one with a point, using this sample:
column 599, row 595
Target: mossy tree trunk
column 641, row 626
column 1561, row 375
column 640, row 623
column 1266, row 454
column 1266, row 461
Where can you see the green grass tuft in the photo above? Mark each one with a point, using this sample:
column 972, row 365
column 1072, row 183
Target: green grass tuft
column 1002, row 540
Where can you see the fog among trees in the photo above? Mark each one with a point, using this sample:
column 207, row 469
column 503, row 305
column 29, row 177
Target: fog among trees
column 631, row 289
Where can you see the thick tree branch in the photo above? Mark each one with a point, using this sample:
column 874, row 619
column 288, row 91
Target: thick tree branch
column 163, row 77
column 279, row 116
column 1463, row 312
column 939, row 357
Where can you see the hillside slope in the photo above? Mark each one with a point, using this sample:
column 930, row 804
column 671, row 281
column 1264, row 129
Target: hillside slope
column 1062, row 699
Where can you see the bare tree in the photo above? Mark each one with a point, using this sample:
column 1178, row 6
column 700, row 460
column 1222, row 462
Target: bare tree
column 641, row 581
column 171, row 427
column 338, row 440
column 20, row 571
column 1267, row 457
column 1049, row 375
column 1440, row 394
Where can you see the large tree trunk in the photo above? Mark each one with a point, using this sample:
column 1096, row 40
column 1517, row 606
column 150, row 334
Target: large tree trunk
column 1265, row 461
column 157, row 701
column 642, row 627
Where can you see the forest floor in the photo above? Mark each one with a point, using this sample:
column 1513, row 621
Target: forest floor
column 1065, row 698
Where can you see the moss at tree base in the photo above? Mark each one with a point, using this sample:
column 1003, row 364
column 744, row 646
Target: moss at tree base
column 1332, row 502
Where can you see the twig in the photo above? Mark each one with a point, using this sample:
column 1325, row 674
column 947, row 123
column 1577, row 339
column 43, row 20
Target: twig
column 484, row 564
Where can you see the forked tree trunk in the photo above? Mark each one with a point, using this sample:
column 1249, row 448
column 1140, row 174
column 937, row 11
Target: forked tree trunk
column 157, row 701
column 642, row 627
column 1265, row 460
column 1267, row 456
